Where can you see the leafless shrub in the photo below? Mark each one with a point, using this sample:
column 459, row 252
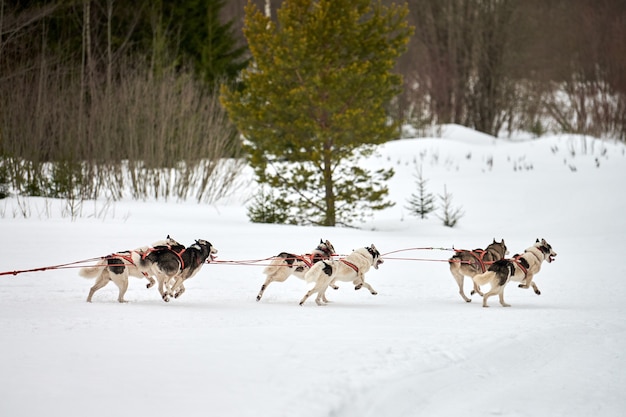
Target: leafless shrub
column 159, row 136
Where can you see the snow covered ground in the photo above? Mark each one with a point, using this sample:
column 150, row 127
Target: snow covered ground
column 415, row 349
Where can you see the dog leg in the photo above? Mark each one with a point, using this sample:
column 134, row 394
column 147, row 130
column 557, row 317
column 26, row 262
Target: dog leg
column 476, row 290
column 264, row 287
column 164, row 294
column 315, row 289
column 369, row 287
column 532, row 284
column 175, row 286
column 122, row 284
column 275, row 275
column 333, row 285
column 358, row 282
column 493, row 291
column 535, row 288
column 459, row 278
column 501, row 296
column 307, row 295
column 103, row 279
column 181, row 290
column 526, row 281
column 318, row 299
column 150, row 283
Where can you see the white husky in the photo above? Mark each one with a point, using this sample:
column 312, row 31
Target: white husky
column 522, row 268
column 351, row 268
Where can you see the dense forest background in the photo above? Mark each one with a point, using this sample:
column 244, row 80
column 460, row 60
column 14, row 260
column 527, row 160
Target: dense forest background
column 114, row 91
column 504, row 65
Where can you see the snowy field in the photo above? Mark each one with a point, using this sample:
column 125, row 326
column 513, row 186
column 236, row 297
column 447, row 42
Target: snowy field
column 415, row 349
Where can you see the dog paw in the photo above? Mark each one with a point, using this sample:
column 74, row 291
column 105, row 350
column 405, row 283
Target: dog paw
column 358, row 287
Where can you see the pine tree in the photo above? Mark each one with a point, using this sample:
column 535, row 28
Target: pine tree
column 204, row 40
column 421, row 203
column 314, row 101
column 450, row 215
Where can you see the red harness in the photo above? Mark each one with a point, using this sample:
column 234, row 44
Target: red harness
column 178, row 254
column 307, row 259
column 351, row 265
column 129, row 259
column 519, row 264
column 479, row 258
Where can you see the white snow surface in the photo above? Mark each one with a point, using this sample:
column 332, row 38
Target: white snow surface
column 415, row 349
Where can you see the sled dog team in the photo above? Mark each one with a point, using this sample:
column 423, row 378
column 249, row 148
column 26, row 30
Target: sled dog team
column 172, row 264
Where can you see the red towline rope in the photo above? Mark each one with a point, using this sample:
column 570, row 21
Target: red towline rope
column 236, row 262
column 45, row 268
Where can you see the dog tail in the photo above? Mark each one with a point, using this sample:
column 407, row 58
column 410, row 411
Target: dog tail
column 321, row 270
column 91, row 271
column 484, row 278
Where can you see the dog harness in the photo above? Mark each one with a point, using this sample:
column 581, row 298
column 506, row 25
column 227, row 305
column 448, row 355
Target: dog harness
column 516, row 260
column 481, row 254
column 309, row 258
column 351, row 265
column 167, row 247
column 129, row 259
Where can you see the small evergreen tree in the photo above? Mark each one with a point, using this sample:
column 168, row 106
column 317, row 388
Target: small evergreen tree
column 314, row 102
column 265, row 208
column 450, row 215
column 421, row 203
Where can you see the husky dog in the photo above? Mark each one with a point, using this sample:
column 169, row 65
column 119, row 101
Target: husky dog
column 118, row 266
column 172, row 266
column 351, row 268
column 471, row 262
column 194, row 257
column 286, row 264
column 522, row 268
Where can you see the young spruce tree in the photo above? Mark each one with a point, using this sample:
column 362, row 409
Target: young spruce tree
column 314, row 100
column 421, row 203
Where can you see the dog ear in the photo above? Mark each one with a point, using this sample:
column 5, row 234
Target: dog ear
column 494, row 240
column 537, row 240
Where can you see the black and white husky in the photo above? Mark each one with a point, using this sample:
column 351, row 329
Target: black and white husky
column 118, row 266
column 521, row 268
column 351, row 268
column 172, row 266
column 286, row 264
